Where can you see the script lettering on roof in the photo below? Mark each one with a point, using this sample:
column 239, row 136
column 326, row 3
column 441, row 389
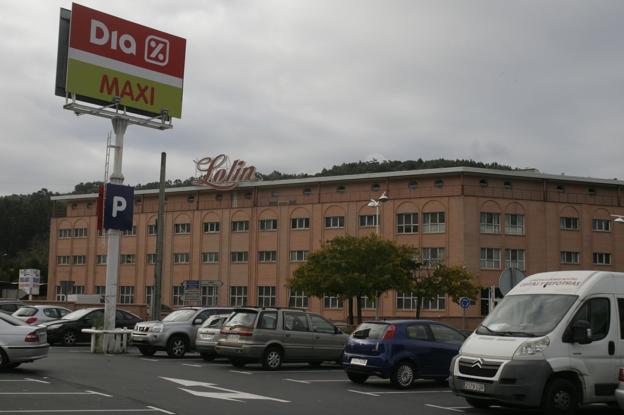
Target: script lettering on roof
column 217, row 173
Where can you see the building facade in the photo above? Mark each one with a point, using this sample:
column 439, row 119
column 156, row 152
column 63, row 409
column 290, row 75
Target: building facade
column 243, row 245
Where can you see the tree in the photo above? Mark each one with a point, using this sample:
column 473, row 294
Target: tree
column 455, row 281
column 349, row 267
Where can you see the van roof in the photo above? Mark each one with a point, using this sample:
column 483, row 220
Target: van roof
column 567, row 282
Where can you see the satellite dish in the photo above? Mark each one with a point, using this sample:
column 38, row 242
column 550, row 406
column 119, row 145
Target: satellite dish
column 509, row 279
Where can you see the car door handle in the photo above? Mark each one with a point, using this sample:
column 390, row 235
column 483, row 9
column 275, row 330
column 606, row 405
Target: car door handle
column 611, row 348
column 317, row 337
column 287, row 335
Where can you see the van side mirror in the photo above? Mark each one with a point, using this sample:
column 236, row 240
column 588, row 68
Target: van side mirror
column 198, row 321
column 581, row 332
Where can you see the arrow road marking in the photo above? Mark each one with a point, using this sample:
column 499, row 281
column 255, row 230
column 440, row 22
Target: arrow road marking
column 225, row 394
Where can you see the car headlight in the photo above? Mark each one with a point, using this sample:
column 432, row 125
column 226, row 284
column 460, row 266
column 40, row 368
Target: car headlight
column 54, row 326
column 156, row 328
column 532, row 348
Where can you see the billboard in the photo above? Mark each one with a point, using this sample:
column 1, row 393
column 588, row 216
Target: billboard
column 109, row 57
column 29, row 281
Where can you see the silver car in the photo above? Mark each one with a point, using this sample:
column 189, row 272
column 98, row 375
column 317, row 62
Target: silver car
column 20, row 343
column 273, row 336
column 37, row 314
column 207, row 336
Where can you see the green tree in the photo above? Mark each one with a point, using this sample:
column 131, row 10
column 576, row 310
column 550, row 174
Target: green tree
column 454, row 281
column 351, row 267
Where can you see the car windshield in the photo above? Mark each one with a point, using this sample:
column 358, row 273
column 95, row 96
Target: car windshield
column 75, row 315
column 373, row 331
column 242, row 319
column 25, row 312
column 526, row 315
column 181, row 315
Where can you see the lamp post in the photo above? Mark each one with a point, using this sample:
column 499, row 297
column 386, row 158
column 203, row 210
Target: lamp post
column 376, row 203
column 618, row 219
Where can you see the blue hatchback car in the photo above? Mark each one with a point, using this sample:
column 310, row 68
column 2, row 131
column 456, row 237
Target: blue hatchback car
column 401, row 350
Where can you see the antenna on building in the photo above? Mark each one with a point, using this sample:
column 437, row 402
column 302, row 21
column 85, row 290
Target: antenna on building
column 108, row 147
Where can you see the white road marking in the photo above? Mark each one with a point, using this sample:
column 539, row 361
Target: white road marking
column 191, row 365
column 316, row 380
column 24, row 380
column 225, row 394
column 241, row 372
column 298, row 381
column 379, row 393
column 161, row 410
column 56, row 393
column 67, row 411
column 36, row 380
column 458, row 409
column 363, row 393
column 149, row 360
column 99, row 393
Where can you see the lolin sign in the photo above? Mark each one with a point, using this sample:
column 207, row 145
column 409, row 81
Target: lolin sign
column 110, row 57
column 217, row 173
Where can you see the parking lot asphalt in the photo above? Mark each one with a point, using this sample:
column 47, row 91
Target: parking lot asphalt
column 75, row 381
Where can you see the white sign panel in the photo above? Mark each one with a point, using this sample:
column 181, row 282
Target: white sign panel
column 29, row 281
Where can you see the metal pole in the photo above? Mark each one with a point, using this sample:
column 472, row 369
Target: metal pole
column 112, row 263
column 378, row 296
column 160, row 227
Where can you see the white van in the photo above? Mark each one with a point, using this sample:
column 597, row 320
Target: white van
column 556, row 341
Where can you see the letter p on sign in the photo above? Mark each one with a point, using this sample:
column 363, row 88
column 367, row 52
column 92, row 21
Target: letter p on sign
column 118, row 207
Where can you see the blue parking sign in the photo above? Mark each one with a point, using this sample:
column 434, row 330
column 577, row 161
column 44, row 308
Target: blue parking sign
column 118, row 207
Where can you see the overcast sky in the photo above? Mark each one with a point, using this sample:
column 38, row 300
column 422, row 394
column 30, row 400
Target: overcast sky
column 299, row 85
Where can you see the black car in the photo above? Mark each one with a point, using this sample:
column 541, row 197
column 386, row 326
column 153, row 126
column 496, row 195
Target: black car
column 68, row 330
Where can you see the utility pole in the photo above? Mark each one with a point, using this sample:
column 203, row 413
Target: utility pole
column 160, row 228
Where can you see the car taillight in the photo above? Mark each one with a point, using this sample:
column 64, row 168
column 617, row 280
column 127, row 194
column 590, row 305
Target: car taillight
column 246, row 333
column 32, row 337
column 390, row 331
column 31, row 320
column 621, row 375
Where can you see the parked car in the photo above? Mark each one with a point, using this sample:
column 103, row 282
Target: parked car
column 37, row 314
column 619, row 392
column 401, row 350
column 68, row 330
column 10, row 306
column 273, row 336
column 20, row 343
column 175, row 334
column 207, row 336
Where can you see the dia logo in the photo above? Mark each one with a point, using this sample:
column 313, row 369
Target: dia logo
column 156, row 50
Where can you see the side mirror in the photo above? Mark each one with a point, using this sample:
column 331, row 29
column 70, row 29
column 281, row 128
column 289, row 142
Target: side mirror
column 198, row 321
column 337, row 330
column 581, row 332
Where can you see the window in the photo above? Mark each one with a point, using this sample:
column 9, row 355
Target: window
column 238, row 296
column 152, row 229
column 490, row 222
column 341, row 189
column 307, row 191
column 368, row 303
column 297, row 299
column 178, row 295
column 239, row 256
column 602, row 258
column 181, row 258
column 406, row 301
column 490, row 258
column 485, row 299
column 78, row 289
column 268, row 320
column 100, row 289
column 568, row 257
column 334, row 222
column 211, row 227
column 79, row 260
column 439, row 183
column 514, row 224
column 295, row 321
column 64, row 233
column 412, row 184
column 417, row 332
column 267, row 256
column 126, row 259
column 182, row 228
column 266, row 296
column 507, row 185
column 407, row 223
column 149, row 295
column 446, row 335
column 240, row 226
column 80, row 233
column 126, row 294
column 300, row 223
column 62, row 260
column 298, row 256
column 514, row 258
column 268, row 224
column 432, row 256
column 100, row 259
column 375, row 187
column 434, row 222
column 436, row 303
column 596, row 312
column 131, row 232
column 101, row 233
column 368, row 221
column 320, row 325
column 210, row 257
column 150, row 259
column 209, row 295
column 568, row 223
column 601, row 225
column 332, row 302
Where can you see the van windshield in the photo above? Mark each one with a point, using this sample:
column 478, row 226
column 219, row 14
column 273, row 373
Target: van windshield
column 526, row 315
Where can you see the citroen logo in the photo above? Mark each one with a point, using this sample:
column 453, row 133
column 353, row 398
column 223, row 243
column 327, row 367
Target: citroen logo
column 478, row 363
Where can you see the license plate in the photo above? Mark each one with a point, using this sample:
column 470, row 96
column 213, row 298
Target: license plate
column 474, row 386
column 209, row 336
column 359, row 362
column 232, row 337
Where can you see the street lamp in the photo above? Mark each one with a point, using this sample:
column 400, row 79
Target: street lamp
column 376, row 203
column 618, row 218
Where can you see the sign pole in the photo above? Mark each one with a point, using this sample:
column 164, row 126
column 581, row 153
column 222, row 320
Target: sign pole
column 114, row 236
column 160, row 232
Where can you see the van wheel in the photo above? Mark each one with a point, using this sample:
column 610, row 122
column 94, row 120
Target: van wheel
column 147, row 351
column 403, row 375
column 176, row 347
column 560, row 397
column 357, row 377
column 272, row 358
column 478, row 403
